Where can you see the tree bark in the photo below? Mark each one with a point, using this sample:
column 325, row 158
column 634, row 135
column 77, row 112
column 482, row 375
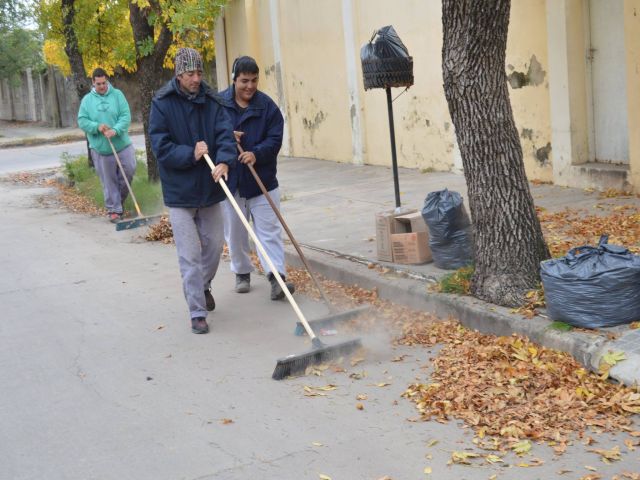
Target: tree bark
column 508, row 240
column 80, row 79
column 149, row 68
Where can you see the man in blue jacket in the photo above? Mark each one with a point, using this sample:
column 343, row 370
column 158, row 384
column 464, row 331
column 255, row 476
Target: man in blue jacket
column 187, row 121
column 258, row 125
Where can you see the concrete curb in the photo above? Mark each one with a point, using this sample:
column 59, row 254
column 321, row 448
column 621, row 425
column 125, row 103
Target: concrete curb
column 400, row 288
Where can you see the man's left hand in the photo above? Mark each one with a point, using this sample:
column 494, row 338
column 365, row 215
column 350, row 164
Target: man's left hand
column 110, row 133
column 221, row 170
column 248, row 158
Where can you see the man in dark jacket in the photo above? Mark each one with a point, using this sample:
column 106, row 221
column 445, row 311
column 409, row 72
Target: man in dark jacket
column 187, row 121
column 258, row 125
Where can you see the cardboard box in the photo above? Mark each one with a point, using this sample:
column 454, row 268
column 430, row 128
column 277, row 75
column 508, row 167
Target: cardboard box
column 411, row 248
column 384, row 228
column 410, row 239
column 402, row 237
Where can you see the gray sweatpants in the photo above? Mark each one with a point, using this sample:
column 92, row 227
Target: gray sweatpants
column 113, row 187
column 266, row 226
column 199, row 237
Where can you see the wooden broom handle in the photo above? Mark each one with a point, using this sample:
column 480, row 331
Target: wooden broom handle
column 274, row 270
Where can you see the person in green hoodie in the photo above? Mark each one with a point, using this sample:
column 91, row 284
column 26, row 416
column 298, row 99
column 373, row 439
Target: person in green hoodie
column 104, row 115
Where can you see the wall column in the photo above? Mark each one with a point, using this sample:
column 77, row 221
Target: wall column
column 353, row 89
column 568, row 87
column 274, row 14
column 222, row 63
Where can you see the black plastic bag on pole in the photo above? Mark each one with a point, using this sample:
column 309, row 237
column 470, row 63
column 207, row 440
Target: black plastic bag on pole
column 386, row 61
column 385, row 64
column 593, row 287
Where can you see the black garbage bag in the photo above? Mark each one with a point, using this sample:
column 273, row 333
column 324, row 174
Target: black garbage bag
column 593, row 287
column 386, row 61
column 384, row 43
column 450, row 230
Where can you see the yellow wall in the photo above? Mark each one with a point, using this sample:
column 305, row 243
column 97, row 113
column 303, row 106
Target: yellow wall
column 527, row 53
column 314, row 49
column 312, row 43
column 632, row 44
column 424, row 132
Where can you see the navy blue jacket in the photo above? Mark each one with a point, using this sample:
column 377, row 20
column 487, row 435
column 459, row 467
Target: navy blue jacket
column 262, row 124
column 176, row 123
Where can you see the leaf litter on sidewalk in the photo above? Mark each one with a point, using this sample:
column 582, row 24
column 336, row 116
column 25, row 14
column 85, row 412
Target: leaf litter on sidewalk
column 509, row 390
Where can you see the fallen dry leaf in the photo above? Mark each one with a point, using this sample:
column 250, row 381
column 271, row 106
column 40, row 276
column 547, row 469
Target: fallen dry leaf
column 613, row 454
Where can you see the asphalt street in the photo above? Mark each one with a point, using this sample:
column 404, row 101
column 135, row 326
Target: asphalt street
column 46, row 156
column 102, row 378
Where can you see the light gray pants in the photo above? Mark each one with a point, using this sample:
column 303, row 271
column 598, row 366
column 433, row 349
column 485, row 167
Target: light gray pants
column 113, row 187
column 198, row 233
column 266, row 226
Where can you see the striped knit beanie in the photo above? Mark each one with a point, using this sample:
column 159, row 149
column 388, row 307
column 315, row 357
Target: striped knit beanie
column 187, row 60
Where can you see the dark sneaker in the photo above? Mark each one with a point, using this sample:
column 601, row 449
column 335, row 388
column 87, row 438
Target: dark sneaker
column 276, row 291
column 114, row 217
column 243, row 282
column 199, row 325
column 211, row 303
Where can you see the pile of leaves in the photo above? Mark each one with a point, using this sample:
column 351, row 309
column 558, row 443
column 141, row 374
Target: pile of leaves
column 160, row 232
column 572, row 228
column 78, row 203
column 511, row 389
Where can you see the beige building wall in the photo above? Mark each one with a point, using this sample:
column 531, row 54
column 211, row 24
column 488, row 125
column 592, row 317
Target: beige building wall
column 632, row 43
column 309, row 54
column 528, row 71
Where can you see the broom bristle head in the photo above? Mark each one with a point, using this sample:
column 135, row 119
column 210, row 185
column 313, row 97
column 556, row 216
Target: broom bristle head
column 136, row 222
column 296, row 364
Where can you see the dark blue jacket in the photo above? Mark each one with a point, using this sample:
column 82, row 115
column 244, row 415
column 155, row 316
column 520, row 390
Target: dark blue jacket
column 176, row 123
column 262, row 124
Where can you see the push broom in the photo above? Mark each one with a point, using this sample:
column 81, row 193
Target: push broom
column 320, row 352
column 335, row 315
column 140, row 220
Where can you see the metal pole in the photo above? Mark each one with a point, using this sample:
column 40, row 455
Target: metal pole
column 394, row 160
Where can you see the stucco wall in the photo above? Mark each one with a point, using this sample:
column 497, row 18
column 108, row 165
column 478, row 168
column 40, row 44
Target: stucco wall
column 315, row 79
column 528, row 70
column 632, row 44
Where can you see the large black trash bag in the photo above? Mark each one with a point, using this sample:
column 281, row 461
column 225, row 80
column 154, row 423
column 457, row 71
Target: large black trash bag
column 450, row 231
column 593, row 287
column 386, row 61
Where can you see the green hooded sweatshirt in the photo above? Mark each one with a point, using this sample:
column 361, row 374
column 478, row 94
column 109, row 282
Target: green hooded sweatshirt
column 111, row 109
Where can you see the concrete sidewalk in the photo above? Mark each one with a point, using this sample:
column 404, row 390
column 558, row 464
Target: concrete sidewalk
column 330, row 208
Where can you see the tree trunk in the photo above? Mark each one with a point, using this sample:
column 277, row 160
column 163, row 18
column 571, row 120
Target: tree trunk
column 82, row 83
column 149, row 67
column 508, row 240
column 80, row 80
